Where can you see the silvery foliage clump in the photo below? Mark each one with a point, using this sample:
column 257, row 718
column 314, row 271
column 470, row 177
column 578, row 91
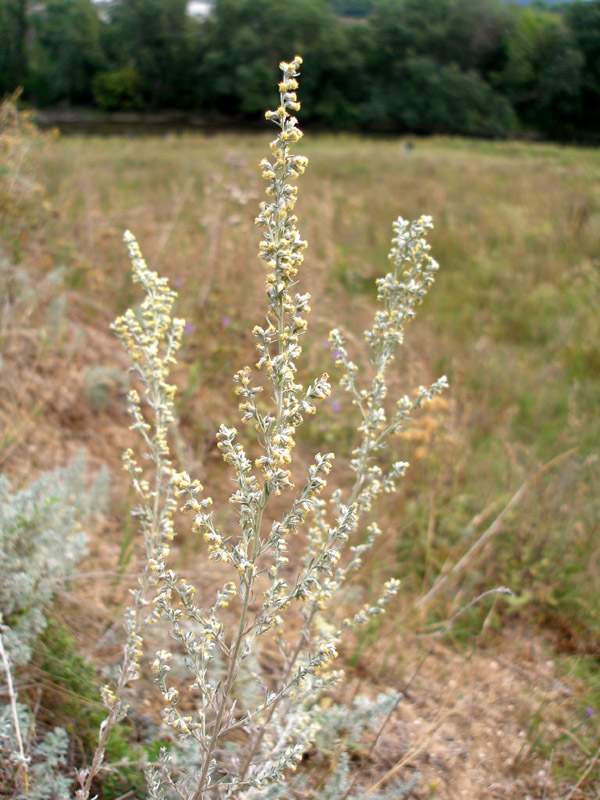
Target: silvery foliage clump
column 41, row 541
column 46, row 761
column 342, row 728
column 246, row 750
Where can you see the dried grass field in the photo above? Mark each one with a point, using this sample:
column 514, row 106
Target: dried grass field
column 503, row 487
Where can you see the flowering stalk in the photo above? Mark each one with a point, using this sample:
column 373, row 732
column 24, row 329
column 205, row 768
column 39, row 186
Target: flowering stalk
column 152, row 340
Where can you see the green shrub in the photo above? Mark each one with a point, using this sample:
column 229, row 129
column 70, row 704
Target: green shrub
column 118, row 90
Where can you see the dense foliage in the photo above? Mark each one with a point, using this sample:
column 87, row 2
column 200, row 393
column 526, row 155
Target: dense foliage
column 467, row 66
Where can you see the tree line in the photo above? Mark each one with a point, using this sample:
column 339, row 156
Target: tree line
column 481, row 67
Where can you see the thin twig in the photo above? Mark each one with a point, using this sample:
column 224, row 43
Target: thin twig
column 437, row 723
column 22, row 758
column 490, row 531
column 585, row 774
column 577, row 741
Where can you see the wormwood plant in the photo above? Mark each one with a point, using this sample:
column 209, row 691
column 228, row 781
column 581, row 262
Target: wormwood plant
column 247, row 749
column 41, row 541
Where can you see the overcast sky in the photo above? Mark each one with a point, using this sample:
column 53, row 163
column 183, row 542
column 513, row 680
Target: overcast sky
column 194, row 6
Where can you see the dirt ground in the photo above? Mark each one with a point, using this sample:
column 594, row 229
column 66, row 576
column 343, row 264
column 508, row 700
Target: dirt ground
column 495, row 717
column 467, row 724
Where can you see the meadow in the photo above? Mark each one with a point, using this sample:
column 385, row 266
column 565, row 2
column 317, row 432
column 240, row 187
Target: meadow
column 503, row 487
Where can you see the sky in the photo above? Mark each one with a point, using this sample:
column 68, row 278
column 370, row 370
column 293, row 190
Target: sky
column 196, row 7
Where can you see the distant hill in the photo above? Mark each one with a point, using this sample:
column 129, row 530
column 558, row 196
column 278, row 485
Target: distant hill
column 363, row 8
column 546, row 2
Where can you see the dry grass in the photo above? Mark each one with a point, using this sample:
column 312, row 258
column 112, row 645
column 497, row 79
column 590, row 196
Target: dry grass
column 494, row 713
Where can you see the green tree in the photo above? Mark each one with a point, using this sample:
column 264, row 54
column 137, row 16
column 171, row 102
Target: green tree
column 425, row 67
column 543, row 74
column 477, row 33
column 244, row 41
column 155, row 38
column 469, row 33
column 66, row 51
column 583, row 21
column 118, row 89
column 13, row 56
column 425, row 97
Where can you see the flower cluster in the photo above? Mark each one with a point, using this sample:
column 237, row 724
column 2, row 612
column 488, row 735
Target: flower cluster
column 279, row 342
column 400, row 291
